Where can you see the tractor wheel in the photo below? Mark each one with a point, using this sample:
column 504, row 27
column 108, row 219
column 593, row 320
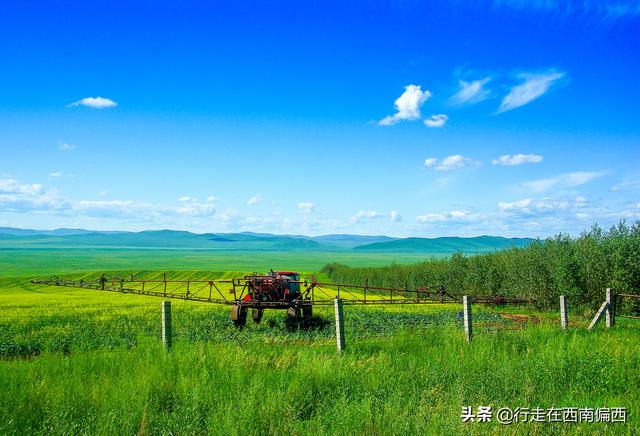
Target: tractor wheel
column 256, row 315
column 307, row 312
column 239, row 315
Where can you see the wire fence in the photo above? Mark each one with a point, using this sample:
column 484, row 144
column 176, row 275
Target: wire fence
column 27, row 330
column 628, row 305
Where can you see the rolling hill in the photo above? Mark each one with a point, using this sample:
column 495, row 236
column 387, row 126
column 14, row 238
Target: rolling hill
column 247, row 241
column 479, row 244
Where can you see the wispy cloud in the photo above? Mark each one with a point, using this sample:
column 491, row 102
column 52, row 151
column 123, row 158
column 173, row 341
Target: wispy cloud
column 533, row 86
column 65, row 147
column 194, row 208
column 407, row 105
column 605, row 9
column 540, row 207
column 562, row 181
column 365, row 214
column 449, row 163
column 395, row 216
column 254, row 200
column 306, row 208
column 628, row 183
column 471, row 92
column 613, row 10
column 94, row 102
column 55, row 174
column 459, row 215
column 436, row 120
column 517, row 159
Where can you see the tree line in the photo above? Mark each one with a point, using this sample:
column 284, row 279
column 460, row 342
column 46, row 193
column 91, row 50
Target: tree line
column 579, row 267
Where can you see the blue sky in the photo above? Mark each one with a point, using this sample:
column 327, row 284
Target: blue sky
column 403, row 118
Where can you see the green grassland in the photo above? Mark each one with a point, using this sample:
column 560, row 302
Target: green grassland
column 42, row 261
column 87, row 361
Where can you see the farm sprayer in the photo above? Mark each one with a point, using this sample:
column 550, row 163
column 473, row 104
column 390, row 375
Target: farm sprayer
column 274, row 290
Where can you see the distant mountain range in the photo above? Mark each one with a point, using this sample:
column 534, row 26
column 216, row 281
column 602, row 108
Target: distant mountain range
column 172, row 239
column 11, row 231
column 476, row 244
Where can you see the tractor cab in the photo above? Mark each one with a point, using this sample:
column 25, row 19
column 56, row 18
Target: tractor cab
column 293, row 282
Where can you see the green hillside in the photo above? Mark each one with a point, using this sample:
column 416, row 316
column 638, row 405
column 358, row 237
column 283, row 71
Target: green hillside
column 166, row 239
column 478, row 244
column 174, row 239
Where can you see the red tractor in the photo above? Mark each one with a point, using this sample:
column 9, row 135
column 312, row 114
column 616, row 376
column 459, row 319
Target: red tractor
column 276, row 290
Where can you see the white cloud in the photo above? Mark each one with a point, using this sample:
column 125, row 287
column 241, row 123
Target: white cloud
column 538, row 207
column 9, row 185
column 458, row 215
column 56, row 174
column 567, row 180
column 395, row 216
column 196, row 209
column 65, row 147
column 430, row 162
column 627, row 184
column 436, row 120
column 517, row 159
column 112, row 208
column 229, row 216
column 365, row 214
column 21, row 197
column 449, row 163
column 407, row 105
column 306, row 208
column 580, row 201
column 515, row 205
column 471, row 92
column 533, row 86
column 254, row 200
column 95, row 103
column 190, row 206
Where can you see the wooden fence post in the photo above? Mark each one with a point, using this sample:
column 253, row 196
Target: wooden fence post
column 366, row 285
column 611, row 308
column 166, row 324
column 599, row 314
column 466, row 308
column 340, row 342
column 563, row 312
column 164, row 277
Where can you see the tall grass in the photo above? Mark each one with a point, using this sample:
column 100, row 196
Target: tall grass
column 406, row 384
column 580, row 268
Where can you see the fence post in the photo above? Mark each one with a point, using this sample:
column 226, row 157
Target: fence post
column 340, row 343
column 164, row 275
column 599, row 314
column 166, row 324
column 611, row 308
column 563, row 312
column 366, row 285
column 466, row 308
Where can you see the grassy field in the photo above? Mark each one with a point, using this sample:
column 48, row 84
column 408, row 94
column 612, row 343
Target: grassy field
column 39, row 261
column 85, row 361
